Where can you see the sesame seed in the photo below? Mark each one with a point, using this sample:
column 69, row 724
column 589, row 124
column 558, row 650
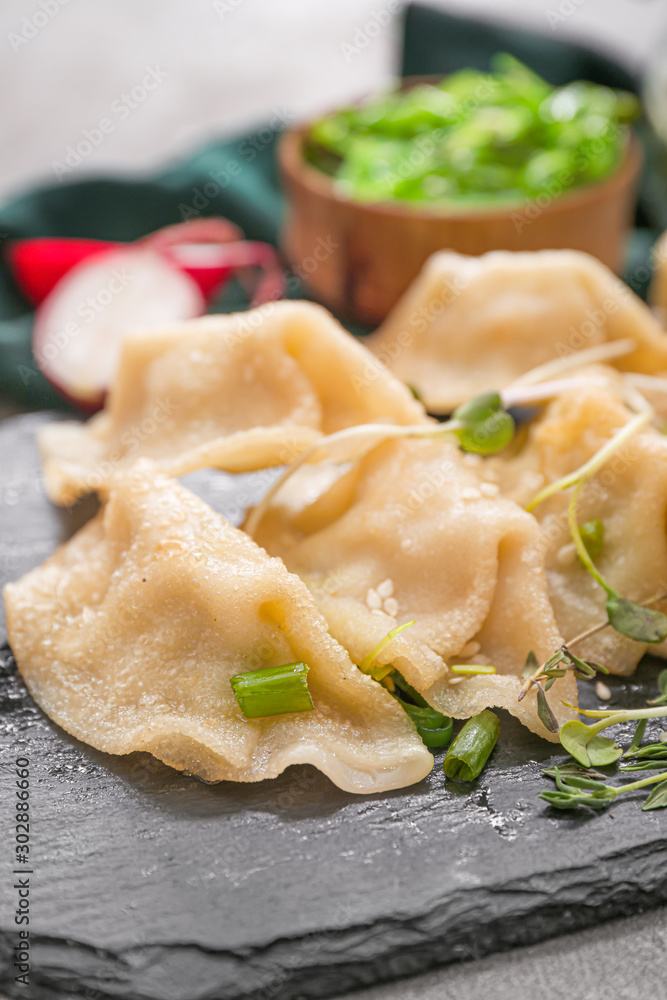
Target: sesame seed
column 471, row 493
column 532, row 480
column 489, row 489
column 456, row 680
column 566, row 554
column 373, row 599
column 602, row 691
column 391, row 606
column 662, row 735
column 470, row 648
column 386, row 588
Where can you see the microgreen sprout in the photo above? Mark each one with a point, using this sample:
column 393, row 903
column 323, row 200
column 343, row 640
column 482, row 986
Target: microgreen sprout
column 485, row 427
column 600, row 458
column 367, row 665
column 472, row 669
column 585, row 743
column 635, row 621
column 592, row 535
column 544, row 712
column 608, row 351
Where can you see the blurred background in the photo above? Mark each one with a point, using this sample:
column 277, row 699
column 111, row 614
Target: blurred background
column 221, row 66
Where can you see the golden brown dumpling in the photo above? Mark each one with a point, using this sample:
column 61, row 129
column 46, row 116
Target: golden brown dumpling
column 128, row 635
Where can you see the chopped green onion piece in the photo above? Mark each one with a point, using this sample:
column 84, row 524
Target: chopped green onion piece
column 406, row 689
column 470, row 669
column 434, row 728
column 273, row 690
column 471, row 749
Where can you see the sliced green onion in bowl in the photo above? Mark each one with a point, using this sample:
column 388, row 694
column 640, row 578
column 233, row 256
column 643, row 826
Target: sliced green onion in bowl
column 273, row 690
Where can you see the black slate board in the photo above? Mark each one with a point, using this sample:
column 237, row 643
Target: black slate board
column 148, row 885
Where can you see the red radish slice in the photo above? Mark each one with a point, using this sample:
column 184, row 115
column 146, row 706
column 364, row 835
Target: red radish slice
column 209, row 250
column 211, row 230
column 39, row 264
column 78, row 329
column 210, row 264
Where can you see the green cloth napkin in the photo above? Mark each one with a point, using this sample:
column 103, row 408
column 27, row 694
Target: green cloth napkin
column 238, row 179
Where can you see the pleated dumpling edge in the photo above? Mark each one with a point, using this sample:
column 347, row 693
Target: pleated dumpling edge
column 236, row 392
column 128, row 635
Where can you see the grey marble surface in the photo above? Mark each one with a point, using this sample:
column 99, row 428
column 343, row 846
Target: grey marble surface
column 622, row 960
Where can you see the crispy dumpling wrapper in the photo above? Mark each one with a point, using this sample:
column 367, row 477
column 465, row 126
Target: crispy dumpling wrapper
column 239, row 393
column 629, row 496
column 471, row 324
column 406, row 533
column 129, row 634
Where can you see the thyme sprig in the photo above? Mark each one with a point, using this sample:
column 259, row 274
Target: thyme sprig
column 538, row 674
column 662, row 688
column 575, row 790
column 555, row 666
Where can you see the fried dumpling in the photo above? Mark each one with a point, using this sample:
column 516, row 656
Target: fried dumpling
column 128, row 635
column 407, row 534
column 238, row 393
column 628, row 495
column 470, row 324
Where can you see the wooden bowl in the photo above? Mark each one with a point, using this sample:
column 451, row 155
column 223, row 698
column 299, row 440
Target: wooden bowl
column 358, row 258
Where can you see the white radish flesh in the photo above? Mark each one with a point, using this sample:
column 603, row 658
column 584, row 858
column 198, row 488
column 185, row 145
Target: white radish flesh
column 79, row 326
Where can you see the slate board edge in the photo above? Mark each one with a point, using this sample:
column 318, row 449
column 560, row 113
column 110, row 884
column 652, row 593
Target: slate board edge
column 356, row 956
column 471, row 923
